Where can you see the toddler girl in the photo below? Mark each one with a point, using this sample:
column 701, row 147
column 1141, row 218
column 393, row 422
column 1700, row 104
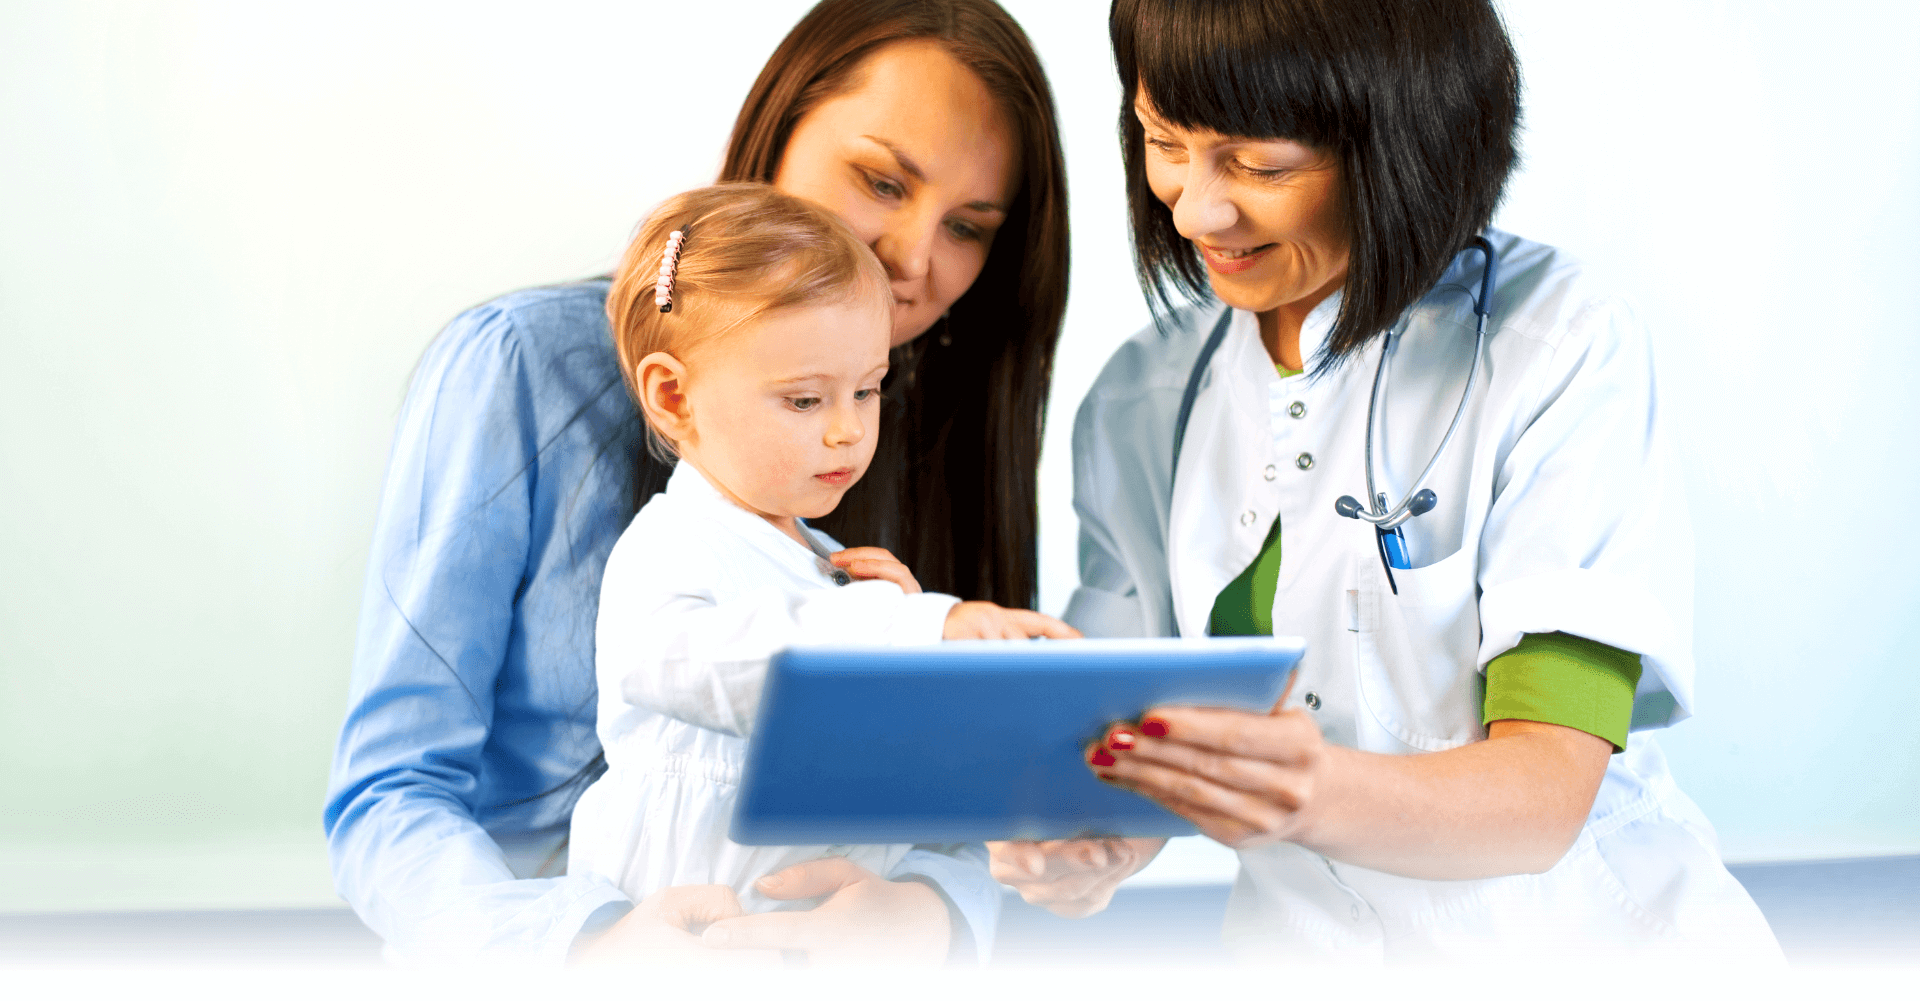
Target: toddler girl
column 752, row 328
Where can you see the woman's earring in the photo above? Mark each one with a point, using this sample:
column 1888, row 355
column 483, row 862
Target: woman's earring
column 946, row 329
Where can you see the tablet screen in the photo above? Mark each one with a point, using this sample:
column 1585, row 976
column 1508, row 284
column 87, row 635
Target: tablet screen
column 975, row 741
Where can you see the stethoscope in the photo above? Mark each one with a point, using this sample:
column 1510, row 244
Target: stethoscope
column 827, row 569
column 1386, row 519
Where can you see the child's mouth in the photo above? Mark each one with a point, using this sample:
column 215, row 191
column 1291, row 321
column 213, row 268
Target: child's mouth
column 837, row 478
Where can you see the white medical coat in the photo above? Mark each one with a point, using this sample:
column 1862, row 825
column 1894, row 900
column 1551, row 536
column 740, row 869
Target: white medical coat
column 1560, row 508
column 698, row 594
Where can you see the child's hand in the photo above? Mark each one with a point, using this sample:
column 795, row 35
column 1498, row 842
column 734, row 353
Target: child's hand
column 874, row 563
column 984, row 620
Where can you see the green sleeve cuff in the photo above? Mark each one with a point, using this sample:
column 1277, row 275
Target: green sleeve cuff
column 1565, row 680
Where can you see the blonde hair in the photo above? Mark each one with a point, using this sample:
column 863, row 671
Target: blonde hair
column 749, row 250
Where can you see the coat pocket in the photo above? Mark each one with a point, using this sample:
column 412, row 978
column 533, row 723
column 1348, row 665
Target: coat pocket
column 1416, row 651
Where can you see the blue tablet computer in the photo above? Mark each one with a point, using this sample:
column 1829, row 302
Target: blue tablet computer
column 975, row 741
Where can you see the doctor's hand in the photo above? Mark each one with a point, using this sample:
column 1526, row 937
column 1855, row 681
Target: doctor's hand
column 1070, row 878
column 875, row 563
column 1245, row 779
column 984, row 620
column 1512, row 803
column 665, row 928
column 864, row 919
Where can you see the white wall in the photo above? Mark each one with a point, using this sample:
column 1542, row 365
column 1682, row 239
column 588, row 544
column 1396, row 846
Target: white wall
column 1751, row 173
column 227, row 231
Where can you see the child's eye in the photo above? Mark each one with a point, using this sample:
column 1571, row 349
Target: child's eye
column 863, row 395
column 803, row 403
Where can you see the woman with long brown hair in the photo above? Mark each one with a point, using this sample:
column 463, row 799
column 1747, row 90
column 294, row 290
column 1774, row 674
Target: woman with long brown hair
column 928, row 127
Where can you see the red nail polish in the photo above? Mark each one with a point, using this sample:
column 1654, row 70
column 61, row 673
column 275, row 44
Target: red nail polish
column 1153, row 727
column 1120, row 740
column 1101, row 758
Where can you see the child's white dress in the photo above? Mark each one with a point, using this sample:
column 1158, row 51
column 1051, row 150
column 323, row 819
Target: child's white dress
column 698, row 594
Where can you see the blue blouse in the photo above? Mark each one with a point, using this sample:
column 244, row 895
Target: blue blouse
column 470, row 722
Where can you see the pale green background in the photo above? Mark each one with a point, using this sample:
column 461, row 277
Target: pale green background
column 228, row 230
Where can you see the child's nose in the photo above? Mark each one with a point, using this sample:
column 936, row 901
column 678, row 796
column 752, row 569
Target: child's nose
column 847, row 426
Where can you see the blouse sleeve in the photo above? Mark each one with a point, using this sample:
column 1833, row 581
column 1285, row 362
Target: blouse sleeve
column 449, row 555
column 1588, row 532
column 959, row 872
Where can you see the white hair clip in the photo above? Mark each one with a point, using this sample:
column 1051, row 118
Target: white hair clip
column 669, row 265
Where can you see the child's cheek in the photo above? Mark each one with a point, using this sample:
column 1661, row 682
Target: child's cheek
column 791, row 461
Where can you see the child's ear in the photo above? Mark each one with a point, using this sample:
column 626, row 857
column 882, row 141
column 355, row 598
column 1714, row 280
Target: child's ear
column 662, row 381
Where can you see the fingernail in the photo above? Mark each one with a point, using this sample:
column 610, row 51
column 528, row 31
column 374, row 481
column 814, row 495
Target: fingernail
column 1120, row 740
column 1101, row 758
column 1153, row 726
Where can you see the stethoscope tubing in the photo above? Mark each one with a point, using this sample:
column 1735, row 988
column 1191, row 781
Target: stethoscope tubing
column 1380, row 516
column 1400, row 514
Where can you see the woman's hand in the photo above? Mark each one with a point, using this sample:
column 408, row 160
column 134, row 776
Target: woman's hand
column 666, row 927
column 875, row 563
column 984, row 620
column 1513, row 803
column 1070, row 878
column 864, row 918
column 1244, row 780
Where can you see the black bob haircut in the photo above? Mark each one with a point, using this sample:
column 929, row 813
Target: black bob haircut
column 1417, row 100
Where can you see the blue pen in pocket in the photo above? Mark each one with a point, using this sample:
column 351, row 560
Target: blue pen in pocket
column 1394, row 544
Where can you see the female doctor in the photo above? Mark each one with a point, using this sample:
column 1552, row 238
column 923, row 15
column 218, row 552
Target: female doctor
column 1462, row 760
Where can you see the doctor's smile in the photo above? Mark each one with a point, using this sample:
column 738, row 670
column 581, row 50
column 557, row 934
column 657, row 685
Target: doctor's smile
column 1232, row 262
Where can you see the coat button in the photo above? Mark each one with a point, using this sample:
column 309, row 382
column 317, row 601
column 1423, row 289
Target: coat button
column 1246, row 517
column 1313, row 700
column 1296, row 409
column 1270, row 473
column 1304, row 461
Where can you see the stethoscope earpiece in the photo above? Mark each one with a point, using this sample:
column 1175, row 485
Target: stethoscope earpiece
column 1417, row 505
